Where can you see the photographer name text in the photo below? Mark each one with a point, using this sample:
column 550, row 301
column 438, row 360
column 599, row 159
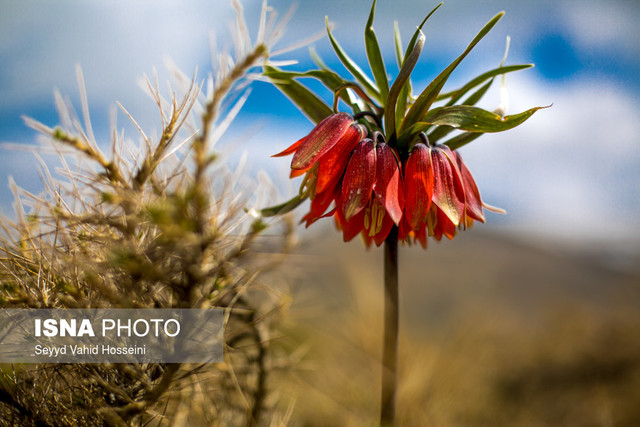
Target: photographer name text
column 63, row 350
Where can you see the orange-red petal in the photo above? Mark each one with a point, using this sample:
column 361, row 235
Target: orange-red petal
column 473, row 202
column 448, row 188
column 319, row 205
column 323, row 138
column 333, row 164
column 421, row 235
column 388, row 185
column 418, row 185
column 297, row 172
column 352, row 227
column 358, row 180
column 444, row 226
column 292, row 149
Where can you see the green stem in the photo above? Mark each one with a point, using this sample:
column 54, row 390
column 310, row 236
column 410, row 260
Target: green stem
column 390, row 350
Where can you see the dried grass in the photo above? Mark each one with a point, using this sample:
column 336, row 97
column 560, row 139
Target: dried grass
column 159, row 225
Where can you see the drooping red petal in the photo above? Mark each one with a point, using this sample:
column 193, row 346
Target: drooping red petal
column 292, row 149
column 358, row 180
column 366, row 240
column 404, row 229
column 384, row 229
column 448, row 188
column 409, row 235
column 322, row 138
column 377, row 222
column 473, row 202
column 333, row 164
column 373, row 223
column 444, row 226
column 418, row 185
column 421, row 235
column 352, row 227
column 297, row 172
column 388, row 185
column 319, row 205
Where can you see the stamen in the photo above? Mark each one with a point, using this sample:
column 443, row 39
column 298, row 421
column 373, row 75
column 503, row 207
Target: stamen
column 367, row 221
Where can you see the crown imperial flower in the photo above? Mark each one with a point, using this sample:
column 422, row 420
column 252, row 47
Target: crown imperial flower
column 376, row 169
column 391, row 172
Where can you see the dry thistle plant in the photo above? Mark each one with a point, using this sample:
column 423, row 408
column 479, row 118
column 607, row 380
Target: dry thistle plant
column 162, row 225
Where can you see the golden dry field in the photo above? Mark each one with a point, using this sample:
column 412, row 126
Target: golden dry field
column 495, row 331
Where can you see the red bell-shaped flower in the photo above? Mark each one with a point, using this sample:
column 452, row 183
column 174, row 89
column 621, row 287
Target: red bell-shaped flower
column 388, row 186
column 418, row 185
column 359, row 179
column 327, row 147
column 473, row 202
column 336, row 133
column 448, row 188
column 372, row 197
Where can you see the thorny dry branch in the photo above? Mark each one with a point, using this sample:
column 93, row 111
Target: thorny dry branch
column 158, row 226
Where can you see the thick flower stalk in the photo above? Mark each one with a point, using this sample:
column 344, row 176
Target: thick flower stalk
column 389, row 170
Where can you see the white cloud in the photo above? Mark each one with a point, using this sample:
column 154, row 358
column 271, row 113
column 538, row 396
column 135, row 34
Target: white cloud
column 115, row 42
column 573, row 169
column 603, row 24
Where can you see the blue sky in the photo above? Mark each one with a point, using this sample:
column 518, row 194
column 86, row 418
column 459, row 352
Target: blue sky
column 571, row 171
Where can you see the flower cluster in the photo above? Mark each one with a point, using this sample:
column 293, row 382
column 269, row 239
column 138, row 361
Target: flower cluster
column 374, row 170
column 362, row 182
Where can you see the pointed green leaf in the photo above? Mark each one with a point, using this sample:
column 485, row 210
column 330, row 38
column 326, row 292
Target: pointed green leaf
column 283, row 208
column 401, row 104
column 442, row 131
column 405, row 92
column 416, row 34
column 329, row 79
column 462, row 139
column 317, row 60
column 459, row 93
column 397, row 43
column 398, row 84
column 428, row 96
column 306, row 101
column 352, row 67
column 376, row 62
column 472, row 119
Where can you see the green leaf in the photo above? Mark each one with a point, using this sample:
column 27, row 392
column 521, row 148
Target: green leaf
column 283, row 208
column 459, row 93
column 306, row 101
column 397, row 43
column 462, row 139
column 472, row 119
column 376, row 62
column 329, row 79
column 403, row 97
column 475, row 97
column 405, row 93
column 352, row 67
column 442, row 131
column 317, row 60
column 428, row 96
column 416, row 34
column 399, row 84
